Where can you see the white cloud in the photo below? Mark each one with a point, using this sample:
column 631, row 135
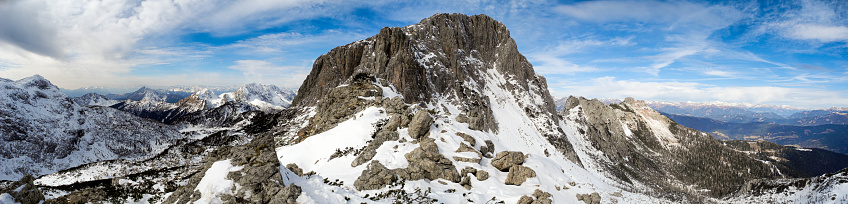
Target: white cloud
column 267, row 72
column 819, row 32
column 551, row 61
column 610, row 87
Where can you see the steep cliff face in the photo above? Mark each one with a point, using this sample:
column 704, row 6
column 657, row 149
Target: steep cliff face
column 467, row 61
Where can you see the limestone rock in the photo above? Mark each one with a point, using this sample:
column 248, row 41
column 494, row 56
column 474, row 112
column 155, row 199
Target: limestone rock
column 425, row 162
column 420, row 124
column 468, row 170
column 593, row 198
column 468, row 138
column 294, row 168
column 375, row 176
column 371, row 149
column 24, row 191
column 518, row 174
column 542, row 197
column 506, row 159
column 525, row 200
column 482, row 175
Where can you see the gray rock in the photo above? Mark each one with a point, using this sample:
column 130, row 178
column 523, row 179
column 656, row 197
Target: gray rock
column 525, row 200
column 506, row 159
column 294, row 168
column 420, row 124
column 375, row 176
column 28, row 193
column 468, row 138
column 287, row 195
column 425, row 162
column 468, row 170
column 482, row 175
column 518, row 174
column 466, row 182
column 542, row 197
column 462, row 118
column 371, row 150
column 593, row 198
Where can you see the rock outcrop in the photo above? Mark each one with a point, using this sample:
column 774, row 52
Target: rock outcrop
column 518, row 174
column 507, row 159
column 420, row 124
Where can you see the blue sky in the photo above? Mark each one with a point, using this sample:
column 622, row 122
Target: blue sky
column 772, row 52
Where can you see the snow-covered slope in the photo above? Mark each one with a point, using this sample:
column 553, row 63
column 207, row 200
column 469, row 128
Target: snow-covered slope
column 94, row 99
column 261, row 96
column 43, row 131
column 445, row 111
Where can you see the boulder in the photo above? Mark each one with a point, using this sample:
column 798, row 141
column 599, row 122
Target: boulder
column 482, row 175
column 371, row 150
column 468, row 138
column 525, row 200
column 375, row 176
column 593, row 198
column 425, row 162
column 294, row 168
column 518, row 174
column 506, row 159
column 420, row 124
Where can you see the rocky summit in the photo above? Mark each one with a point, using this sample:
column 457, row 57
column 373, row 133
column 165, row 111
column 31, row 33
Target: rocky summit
column 443, row 111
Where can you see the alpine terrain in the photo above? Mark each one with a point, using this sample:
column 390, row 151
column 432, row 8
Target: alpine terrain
column 443, row 111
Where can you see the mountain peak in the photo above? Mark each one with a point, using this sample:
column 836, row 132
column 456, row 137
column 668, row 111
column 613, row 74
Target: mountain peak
column 36, row 81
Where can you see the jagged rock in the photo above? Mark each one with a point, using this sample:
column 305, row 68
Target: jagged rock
column 466, row 182
column 468, row 138
column 461, row 118
column 465, row 148
column 593, row 198
column 395, row 122
column 518, row 174
column 506, row 159
column 488, row 150
column 287, row 195
column 425, row 162
column 294, row 168
column 420, row 124
column 525, row 200
column 375, row 176
column 482, row 175
column 371, row 149
column 339, row 104
column 469, row 160
column 468, row 170
column 542, row 197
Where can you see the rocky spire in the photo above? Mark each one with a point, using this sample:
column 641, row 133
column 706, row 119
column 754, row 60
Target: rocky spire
column 437, row 56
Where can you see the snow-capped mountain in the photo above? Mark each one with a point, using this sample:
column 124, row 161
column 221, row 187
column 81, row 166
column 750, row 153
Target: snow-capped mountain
column 260, row 95
column 409, row 120
column 253, row 96
column 44, row 131
column 446, row 110
column 94, row 99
